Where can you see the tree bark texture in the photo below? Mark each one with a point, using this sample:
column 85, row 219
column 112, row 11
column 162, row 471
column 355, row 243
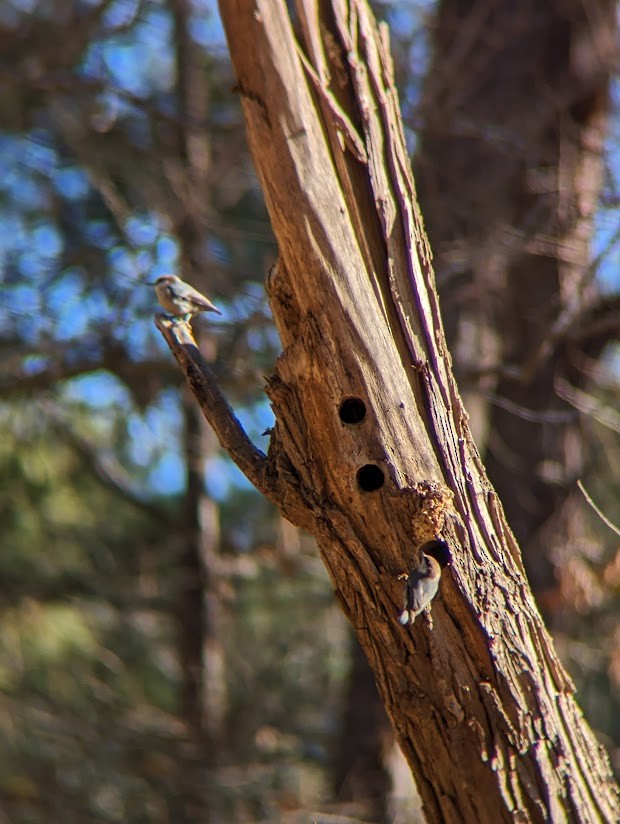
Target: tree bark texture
column 481, row 706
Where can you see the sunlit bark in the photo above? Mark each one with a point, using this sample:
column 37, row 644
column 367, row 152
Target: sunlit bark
column 479, row 702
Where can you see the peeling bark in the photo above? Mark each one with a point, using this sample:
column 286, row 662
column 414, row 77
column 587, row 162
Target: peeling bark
column 481, row 706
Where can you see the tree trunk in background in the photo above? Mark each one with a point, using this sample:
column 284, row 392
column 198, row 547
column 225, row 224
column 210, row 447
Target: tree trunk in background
column 360, row 773
column 508, row 171
column 198, row 531
column 203, row 689
column 205, row 686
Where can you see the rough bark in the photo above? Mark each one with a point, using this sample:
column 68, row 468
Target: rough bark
column 508, row 167
column 480, row 704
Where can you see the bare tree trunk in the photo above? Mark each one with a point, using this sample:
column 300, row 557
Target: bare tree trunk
column 360, row 771
column 204, row 692
column 203, row 689
column 371, row 450
column 509, row 167
column 192, row 621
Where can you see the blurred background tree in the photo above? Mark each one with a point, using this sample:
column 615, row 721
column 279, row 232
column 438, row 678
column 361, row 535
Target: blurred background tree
column 171, row 650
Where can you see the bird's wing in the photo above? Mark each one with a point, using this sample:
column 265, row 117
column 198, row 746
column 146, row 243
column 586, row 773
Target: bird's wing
column 200, row 300
column 415, row 593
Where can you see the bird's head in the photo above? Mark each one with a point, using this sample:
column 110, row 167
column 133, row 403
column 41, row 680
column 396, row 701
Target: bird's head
column 162, row 280
column 439, row 551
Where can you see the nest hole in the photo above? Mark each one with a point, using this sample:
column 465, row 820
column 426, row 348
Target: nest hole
column 352, row 410
column 370, row 477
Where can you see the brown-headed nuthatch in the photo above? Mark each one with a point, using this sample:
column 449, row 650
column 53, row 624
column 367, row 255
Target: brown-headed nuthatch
column 423, row 579
column 180, row 299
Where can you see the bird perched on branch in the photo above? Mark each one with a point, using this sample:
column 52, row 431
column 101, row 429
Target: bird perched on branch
column 180, row 299
column 423, row 579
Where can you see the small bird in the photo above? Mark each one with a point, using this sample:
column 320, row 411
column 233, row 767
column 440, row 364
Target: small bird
column 180, row 299
column 423, row 580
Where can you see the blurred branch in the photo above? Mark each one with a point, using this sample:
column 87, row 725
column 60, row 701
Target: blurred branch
column 591, row 327
column 107, row 470
column 598, row 325
column 587, row 404
column 66, row 586
column 87, row 86
column 599, row 512
column 143, row 378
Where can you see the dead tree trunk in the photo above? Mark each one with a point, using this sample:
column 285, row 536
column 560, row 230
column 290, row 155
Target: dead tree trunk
column 371, row 449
